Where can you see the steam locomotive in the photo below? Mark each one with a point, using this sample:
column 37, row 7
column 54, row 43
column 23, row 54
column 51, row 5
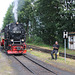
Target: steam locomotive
column 14, row 39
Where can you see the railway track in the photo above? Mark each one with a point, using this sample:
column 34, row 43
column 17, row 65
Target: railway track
column 32, row 66
column 49, row 51
column 23, row 65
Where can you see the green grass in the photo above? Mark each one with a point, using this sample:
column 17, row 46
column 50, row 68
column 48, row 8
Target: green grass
column 61, row 49
column 45, row 57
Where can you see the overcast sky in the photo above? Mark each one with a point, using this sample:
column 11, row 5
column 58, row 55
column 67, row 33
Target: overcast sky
column 4, row 4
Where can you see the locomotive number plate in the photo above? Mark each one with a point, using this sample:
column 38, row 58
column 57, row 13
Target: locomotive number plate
column 18, row 48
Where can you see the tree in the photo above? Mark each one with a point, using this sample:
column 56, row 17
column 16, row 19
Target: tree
column 25, row 13
column 8, row 16
column 67, row 17
column 48, row 12
column 45, row 18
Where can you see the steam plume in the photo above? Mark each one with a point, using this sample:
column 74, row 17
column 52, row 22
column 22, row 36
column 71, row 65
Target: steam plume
column 15, row 10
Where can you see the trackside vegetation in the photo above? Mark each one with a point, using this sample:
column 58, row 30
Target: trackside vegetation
column 44, row 46
column 59, row 63
column 44, row 19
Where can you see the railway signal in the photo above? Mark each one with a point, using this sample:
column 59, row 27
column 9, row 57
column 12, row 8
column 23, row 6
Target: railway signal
column 65, row 36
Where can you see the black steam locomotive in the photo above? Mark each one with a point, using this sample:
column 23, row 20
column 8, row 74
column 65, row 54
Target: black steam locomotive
column 14, row 38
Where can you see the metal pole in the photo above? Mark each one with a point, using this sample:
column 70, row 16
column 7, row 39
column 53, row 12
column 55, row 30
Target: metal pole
column 65, row 49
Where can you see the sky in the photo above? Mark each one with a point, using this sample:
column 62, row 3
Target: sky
column 4, row 4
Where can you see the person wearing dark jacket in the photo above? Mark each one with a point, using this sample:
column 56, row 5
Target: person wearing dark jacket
column 55, row 50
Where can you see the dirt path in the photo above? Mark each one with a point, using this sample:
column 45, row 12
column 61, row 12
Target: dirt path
column 5, row 67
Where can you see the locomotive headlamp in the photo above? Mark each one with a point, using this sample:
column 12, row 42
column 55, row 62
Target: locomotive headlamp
column 22, row 39
column 16, row 22
column 12, row 40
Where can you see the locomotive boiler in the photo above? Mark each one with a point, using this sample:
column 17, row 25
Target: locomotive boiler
column 14, row 38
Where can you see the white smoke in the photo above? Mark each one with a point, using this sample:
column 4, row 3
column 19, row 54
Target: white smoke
column 15, row 10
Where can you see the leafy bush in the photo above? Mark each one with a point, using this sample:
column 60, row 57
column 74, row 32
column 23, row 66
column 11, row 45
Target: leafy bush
column 35, row 39
column 29, row 40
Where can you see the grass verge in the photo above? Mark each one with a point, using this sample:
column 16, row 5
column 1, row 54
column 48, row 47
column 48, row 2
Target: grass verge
column 59, row 63
column 71, row 52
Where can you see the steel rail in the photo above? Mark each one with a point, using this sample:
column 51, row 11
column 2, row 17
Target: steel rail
column 24, row 65
column 28, row 57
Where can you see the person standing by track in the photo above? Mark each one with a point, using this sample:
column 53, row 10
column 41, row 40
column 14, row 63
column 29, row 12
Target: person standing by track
column 55, row 50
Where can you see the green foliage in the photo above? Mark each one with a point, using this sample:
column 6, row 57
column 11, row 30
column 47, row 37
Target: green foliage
column 48, row 12
column 9, row 16
column 29, row 40
column 25, row 13
column 35, row 40
column 46, row 19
